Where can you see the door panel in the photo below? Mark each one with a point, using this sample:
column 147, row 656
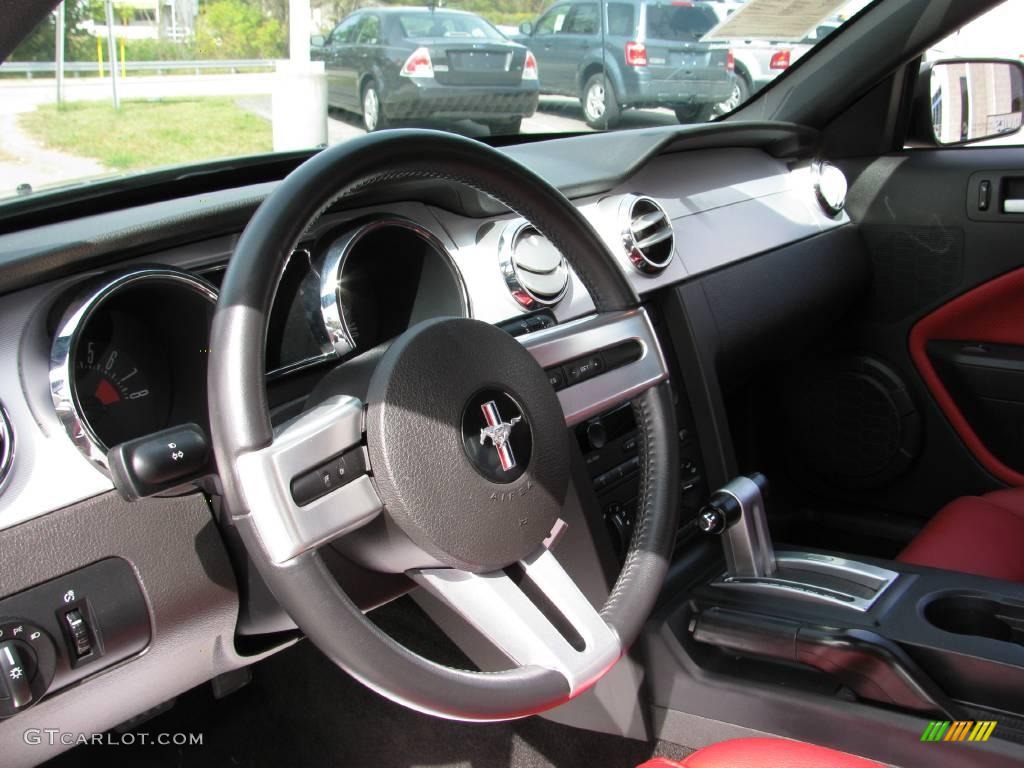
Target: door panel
column 973, row 380
column 938, row 273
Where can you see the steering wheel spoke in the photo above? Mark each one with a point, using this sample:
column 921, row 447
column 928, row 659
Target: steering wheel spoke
column 534, row 613
column 310, row 484
column 603, row 360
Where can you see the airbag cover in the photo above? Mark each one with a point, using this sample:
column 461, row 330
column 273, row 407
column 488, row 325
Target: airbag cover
column 443, row 485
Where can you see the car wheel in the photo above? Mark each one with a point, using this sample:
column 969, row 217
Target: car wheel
column 373, row 110
column 740, row 93
column 600, row 105
column 505, row 127
column 695, row 113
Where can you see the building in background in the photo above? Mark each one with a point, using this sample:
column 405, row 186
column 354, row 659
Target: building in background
column 150, row 20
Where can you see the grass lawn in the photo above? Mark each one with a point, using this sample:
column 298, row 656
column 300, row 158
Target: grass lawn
column 150, row 133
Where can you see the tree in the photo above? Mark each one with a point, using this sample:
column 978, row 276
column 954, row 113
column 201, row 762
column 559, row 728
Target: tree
column 233, row 29
column 41, row 43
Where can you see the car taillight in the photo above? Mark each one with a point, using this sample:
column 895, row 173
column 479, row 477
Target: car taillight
column 636, row 54
column 530, row 67
column 780, row 60
column 418, row 64
column 730, row 61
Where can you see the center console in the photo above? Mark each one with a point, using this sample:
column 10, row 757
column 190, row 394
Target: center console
column 906, row 638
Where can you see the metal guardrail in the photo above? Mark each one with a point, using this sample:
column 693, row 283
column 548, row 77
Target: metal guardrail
column 30, row 68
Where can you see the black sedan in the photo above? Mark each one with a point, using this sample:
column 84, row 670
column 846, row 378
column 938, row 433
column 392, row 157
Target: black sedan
column 407, row 63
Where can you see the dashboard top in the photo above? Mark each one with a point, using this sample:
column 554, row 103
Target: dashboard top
column 38, row 245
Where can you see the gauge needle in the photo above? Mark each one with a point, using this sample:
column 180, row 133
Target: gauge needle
column 106, row 393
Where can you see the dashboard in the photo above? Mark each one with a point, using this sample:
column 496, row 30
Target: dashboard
column 125, row 348
column 103, row 343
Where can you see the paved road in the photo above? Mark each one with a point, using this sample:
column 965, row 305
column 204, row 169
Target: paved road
column 23, row 161
column 556, row 114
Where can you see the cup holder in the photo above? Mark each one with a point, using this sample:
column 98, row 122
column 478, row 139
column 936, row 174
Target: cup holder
column 978, row 616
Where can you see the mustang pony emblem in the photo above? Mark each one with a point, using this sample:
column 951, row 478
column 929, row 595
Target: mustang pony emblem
column 498, row 431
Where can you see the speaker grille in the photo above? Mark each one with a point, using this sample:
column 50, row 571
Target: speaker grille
column 853, row 422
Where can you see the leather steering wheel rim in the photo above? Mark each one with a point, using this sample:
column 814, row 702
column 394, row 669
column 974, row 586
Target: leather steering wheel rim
column 240, row 419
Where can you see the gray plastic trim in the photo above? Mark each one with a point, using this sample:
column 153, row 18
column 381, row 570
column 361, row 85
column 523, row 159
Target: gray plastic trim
column 178, row 556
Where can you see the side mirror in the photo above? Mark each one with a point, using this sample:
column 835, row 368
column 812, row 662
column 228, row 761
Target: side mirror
column 967, row 100
column 317, row 41
column 526, row 28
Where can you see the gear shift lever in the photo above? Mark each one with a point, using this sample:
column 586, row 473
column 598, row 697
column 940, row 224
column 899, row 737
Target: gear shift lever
column 737, row 511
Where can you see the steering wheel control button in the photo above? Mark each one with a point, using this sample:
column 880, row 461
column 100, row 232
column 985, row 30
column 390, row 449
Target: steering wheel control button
column 158, row 462
column 556, row 377
column 333, row 474
column 594, row 364
column 496, row 436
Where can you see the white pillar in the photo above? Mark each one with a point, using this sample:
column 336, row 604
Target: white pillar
column 299, row 100
column 112, row 46
column 298, row 30
column 60, row 55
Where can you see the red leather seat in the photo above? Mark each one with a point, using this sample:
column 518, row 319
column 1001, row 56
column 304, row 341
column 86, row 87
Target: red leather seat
column 983, row 535
column 764, row 753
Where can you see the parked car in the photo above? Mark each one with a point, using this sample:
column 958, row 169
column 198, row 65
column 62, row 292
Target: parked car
column 400, row 63
column 758, row 62
column 642, row 53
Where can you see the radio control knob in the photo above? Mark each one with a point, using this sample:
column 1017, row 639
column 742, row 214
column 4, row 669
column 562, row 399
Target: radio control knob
column 597, row 435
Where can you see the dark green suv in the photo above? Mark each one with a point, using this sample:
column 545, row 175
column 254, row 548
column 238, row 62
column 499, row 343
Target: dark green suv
column 640, row 54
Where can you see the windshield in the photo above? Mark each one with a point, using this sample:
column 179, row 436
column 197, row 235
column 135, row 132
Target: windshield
column 107, row 88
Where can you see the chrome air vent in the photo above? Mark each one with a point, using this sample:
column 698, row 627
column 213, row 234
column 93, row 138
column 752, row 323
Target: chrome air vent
column 829, row 187
column 647, row 235
column 6, row 446
column 534, row 270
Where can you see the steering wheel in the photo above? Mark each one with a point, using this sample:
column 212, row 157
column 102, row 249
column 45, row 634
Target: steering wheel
column 457, row 466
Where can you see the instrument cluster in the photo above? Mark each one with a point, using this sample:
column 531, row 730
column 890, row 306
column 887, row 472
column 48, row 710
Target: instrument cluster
column 130, row 350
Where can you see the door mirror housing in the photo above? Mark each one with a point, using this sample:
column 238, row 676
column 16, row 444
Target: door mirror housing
column 963, row 101
column 526, row 28
column 317, row 41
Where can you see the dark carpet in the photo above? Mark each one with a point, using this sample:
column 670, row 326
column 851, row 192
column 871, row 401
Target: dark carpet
column 300, row 710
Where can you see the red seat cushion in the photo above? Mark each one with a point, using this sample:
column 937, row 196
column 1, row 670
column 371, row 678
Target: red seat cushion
column 983, row 535
column 764, row 753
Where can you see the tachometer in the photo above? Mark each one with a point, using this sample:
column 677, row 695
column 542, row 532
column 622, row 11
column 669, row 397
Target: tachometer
column 121, row 386
column 130, row 356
